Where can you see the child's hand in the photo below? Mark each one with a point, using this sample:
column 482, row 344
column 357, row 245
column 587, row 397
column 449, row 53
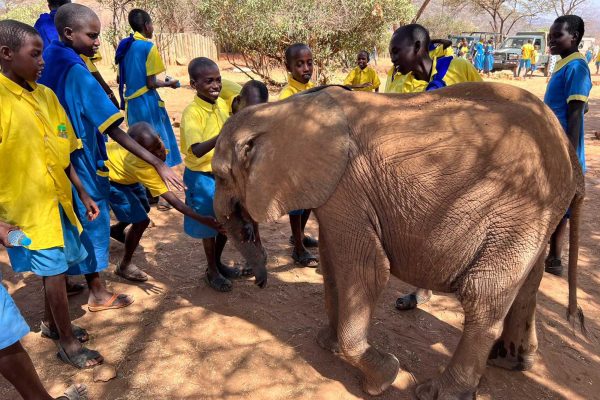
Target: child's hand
column 170, row 178
column 213, row 223
column 4, row 229
column 366, row 85
column 174, row 83
column 92, row 210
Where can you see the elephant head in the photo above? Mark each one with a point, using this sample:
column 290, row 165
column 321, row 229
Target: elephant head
column 273, row 158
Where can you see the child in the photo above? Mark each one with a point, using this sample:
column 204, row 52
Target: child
column 253, row 92
column 127, row 174
column 410, row 57
column 440, row 48
column 92, row 114
column 47, row 30
column 201, row 123
column 464, row 49
column 567, row 94
column 597, row 63
column 299, row 63
column 15, row 364
column 363, row 77
column 534, row 59
column 525, row 60
column 36, row 140
column 488, row 58
column 139, row 63
column 478, row 59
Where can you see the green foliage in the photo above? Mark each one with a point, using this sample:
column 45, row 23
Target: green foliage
column 441, row 25
column 27, row 13
column 260, row 30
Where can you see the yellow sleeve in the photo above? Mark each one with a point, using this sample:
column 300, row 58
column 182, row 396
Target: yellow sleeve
column 146, row 175
column 285, row 93
column 192, row 128
column 376, row 81
column 229, row 91
column 154, row 63
column 437, row 52
column 350, row 78
column 449, row 51
column 89, row 64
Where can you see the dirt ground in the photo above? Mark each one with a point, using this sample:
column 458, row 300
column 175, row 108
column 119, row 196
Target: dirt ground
column 182, row 340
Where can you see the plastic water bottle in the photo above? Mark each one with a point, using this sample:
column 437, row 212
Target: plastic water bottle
column 168, row 79
column 18, row 238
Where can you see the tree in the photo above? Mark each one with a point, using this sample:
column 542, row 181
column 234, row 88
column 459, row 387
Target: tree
column 504, row 14
column 260, row 30
column 566, row 7
column 24, row 11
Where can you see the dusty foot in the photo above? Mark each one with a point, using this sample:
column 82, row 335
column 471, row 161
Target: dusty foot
column 131, row 272
column 328, row 340
column 390, row 366
column 433, row 390
column 511, row 358
column 75, row 392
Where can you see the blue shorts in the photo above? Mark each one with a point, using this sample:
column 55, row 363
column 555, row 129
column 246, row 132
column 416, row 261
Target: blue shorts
column 95, row 239
column 53, row 261
column 525, row 63
column 129, row 202
column 199, row 195
column 12, row 325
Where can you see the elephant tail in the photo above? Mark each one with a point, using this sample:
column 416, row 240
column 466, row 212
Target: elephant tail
column 574, row 312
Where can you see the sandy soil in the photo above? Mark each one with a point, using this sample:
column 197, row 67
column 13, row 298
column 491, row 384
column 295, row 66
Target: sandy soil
column 182, row 340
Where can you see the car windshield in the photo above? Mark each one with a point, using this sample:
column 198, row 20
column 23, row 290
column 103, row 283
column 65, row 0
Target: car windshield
column 517, row 42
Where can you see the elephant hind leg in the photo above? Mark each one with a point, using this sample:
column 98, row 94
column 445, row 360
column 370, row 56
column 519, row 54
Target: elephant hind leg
column 516, row 348
column 327, row 336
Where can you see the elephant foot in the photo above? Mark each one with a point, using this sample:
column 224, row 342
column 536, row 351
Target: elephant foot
column 433, row 390
column 327, row 339
column 511, row 358
column 376, row 383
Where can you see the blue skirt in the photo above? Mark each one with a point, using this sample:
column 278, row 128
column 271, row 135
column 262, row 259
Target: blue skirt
column 199, row 196
column 53, row 261
column 95, row 238
column 478, row 62
column 129, row 203
column 12, row 325
column 150, row 108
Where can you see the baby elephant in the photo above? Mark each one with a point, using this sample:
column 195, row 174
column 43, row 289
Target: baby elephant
column 419, row 187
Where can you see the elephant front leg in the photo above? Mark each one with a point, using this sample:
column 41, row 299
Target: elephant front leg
column 516, row 348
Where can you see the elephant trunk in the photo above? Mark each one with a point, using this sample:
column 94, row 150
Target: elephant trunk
column 244, row 234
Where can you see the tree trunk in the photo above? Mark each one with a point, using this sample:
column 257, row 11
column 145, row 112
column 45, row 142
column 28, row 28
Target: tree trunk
column 421, row 10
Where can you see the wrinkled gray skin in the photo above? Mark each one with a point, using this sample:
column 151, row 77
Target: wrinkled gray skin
column 419, row 187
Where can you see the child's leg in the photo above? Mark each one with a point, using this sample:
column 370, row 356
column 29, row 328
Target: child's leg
column 117, row 231
column 553, row 263
column 132, row 240
column 56, row 295
column 17, row 368
column 297, row 232
column 213, row 276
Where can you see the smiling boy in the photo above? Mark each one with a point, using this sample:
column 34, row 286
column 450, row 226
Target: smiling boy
column 363, row 77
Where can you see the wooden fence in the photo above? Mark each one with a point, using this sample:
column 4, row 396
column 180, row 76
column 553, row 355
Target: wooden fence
column 178, row 48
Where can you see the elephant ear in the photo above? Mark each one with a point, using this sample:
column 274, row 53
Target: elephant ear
column 296, row 155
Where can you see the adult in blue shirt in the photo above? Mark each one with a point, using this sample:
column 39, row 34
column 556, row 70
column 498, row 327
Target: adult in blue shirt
column 567, row 95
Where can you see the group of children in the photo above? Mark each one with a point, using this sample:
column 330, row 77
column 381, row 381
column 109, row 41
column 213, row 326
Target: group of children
column 61, row 176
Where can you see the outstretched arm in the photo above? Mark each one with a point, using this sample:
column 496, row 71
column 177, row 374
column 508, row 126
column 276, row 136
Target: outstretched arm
column 444, row 42
column 166, row 173
column 153, row 82
column 183, row 208
column 90, row 205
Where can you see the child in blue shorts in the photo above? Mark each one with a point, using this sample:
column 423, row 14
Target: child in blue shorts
column 567, row 95
column 36, row 140
column 129, row 178
column 93, row 115
column 15, row 364
column 201, row 123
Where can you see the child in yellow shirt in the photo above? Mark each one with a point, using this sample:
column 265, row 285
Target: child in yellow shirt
column 299, row 63
column 363, row 77
column 129, row 177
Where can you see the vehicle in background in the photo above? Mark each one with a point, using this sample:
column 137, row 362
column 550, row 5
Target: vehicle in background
column 587, row 43
column 508, row 54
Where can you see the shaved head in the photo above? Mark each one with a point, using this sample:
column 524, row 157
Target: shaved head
column 73, row 16
column 411, row 34
column 199, row 64
column 144, row 134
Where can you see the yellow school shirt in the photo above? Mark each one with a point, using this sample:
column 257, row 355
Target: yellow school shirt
column 294, row 87
column 127, row 169
column 534, row 57
column 229, row 91
column 201, row 121
column 36, row 141
column 361, row 76
column 526, row 51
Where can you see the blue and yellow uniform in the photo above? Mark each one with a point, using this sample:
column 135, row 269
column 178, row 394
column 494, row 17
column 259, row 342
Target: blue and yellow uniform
column 200, row 121
column 91, row 113
column 143, row 104
column 128, row 176
column 46, row 28
column 361, row 76
column 570, row 81
column 14, row 327
column 35, row 192
column 294, row 87
column 488, row 58
column 479, row 56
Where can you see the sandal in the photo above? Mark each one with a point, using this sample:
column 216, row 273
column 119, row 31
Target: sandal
column 80, row 359
column 305, row 259
column 73, row 289
column 136, row 275
column 79, row 333
column 220, row 283
column 115, row 302
column 235, row 272
column 307, row 241
column 553, row 266
column 410, row 301
column 75, row 392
